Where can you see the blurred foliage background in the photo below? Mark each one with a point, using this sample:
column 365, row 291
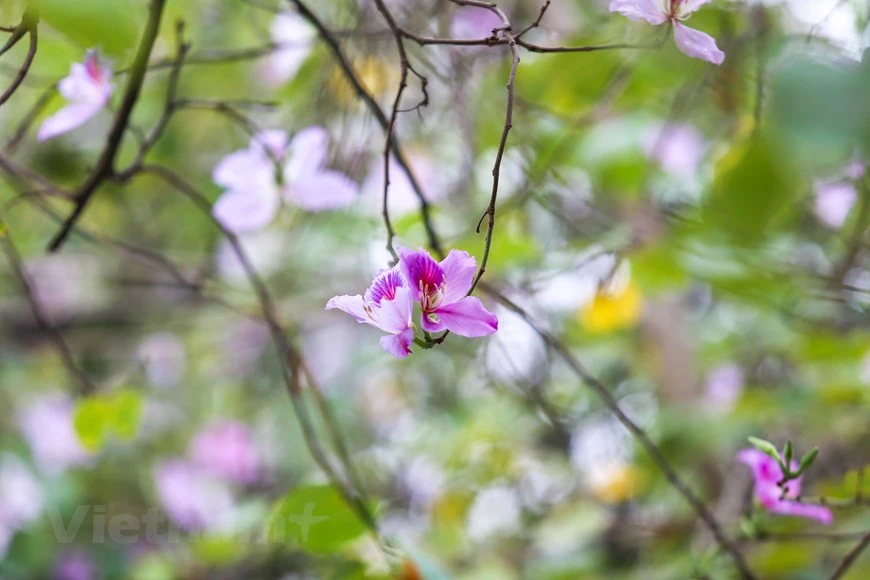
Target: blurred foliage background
column 695, row 235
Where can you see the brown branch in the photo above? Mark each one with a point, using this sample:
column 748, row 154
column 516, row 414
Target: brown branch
column 851, row 557
column 104, row 168
column 30, row 23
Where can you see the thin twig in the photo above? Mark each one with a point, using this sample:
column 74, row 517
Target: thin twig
column 30, row 22
column 851, row 557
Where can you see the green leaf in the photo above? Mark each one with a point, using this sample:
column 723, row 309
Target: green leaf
column 315, row 517
column 807, row 460
column 110, row 25
column 765, row 447
column 787, row 453
column 99, row 417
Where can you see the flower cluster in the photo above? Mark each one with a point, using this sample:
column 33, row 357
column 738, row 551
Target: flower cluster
column 275, row 167
column 691, row 42
column 774, row 494
column 441, row 290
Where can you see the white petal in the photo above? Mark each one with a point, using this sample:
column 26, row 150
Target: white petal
column 697, row 44
column 652, row 11
column 309, row 150
column 67, row 119
column 242, row 169
column 243, row 211
column 323, row 191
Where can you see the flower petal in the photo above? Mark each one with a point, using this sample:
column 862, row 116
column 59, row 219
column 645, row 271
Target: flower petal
column 398, row 345
column 240, row 169
column 650, row 10
column 67, row 119
column 459, row 269
column 801, row 510
column 243, row 211
column 323, row 191
column 394, row 316
column 384, row 286
column 420, row 270
column 309, row 150
column 467, row 318
column 353, row 305
column 273, row 140
column 295, row 35
column 697, row 44
column 689, row 6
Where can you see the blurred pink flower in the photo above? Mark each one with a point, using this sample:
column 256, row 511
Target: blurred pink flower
column 47, row 425
column 87, row 90
column 227, row 450
column 75, row 565
column 474, row 23
column 21, row 499
column 387, row 305
column 164, row 357
column 296, row 38
column 768, row 474
column 834, row 201
column 678, row 149
column 441, row 289
column 191, row 497
column 691, row 42
column 255, row 185
column 724, row 385
column 402, row 198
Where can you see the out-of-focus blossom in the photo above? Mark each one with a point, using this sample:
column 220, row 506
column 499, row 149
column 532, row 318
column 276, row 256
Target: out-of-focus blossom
column 833, row 202
column 613, row 308
column 495, row 512
column 47, row 426
column 691, row 42
column 516, row 354
column 601, row 451
column 678, row 149
column 296, row 38
column 402, row 198
column 164, row 357
column 227, row 450
column 21, row 499
column 768, row 475
column 441, row 289
column 474, row 23
column 66, row 284
column 387, row 305
column 87, row 90
column 423, row 480
column 724, row 385
column 75, row 565
column 275, row 168
column 192, row 498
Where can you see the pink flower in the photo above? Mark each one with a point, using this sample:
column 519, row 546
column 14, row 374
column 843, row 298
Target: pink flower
column 768, row 474
column 75, row 565
column 227, row 450
column 834, row 201
column 192, row 498
column 691, row 42
column 47, row 425
column 678, row 148
column 295, row 37
column 387, row 305
column 87, row 90
column 22, row 499
column 474, row 23
column 441, row 289
column 273, row 168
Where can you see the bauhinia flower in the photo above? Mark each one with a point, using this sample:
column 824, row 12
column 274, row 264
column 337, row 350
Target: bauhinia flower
column 388, row 304
column 87, row 90
column 441, row 289
column 777, row 498
column 295, row 37
column 275, row 168
column 691, row 42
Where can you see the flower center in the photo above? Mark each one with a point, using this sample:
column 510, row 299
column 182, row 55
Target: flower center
column 431, row 295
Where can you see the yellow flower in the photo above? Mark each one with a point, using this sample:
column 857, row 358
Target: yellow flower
column 615, row 483
column 373, row 73
column 612, row 309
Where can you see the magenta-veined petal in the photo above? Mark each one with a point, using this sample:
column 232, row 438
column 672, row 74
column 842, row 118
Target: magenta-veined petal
column 652, row 11
column 398, row 345
column 459, row 270
column 243, row 169
column 67, row 119
column 322, row 191
column 394, row 316
column 697, row 44
column 308, row 152
column 353, row 305
column 467, row 318
column 384, row 286
column 792, row 508
column 242, row 211
column 420, row 269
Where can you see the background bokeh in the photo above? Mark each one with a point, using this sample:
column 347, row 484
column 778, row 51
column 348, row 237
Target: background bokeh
column 695, row 235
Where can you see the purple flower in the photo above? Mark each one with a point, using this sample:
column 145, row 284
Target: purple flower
column 75, row 565
column 47, row 425
column 227, row 450
column 87, row 90
column 21, row 499
column 834, row 201
column 441, row 289
column 474, row 23
column 678, row 148
column 192, row 498
column 295, row 37
column 691, row 42
column 388, row 305
column 768, row 474
column 273, row 168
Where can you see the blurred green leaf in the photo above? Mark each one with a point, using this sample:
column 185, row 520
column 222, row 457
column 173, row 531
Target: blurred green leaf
column 98, row 417
column 110, row 25
column 765, row 447
column 315, row 517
